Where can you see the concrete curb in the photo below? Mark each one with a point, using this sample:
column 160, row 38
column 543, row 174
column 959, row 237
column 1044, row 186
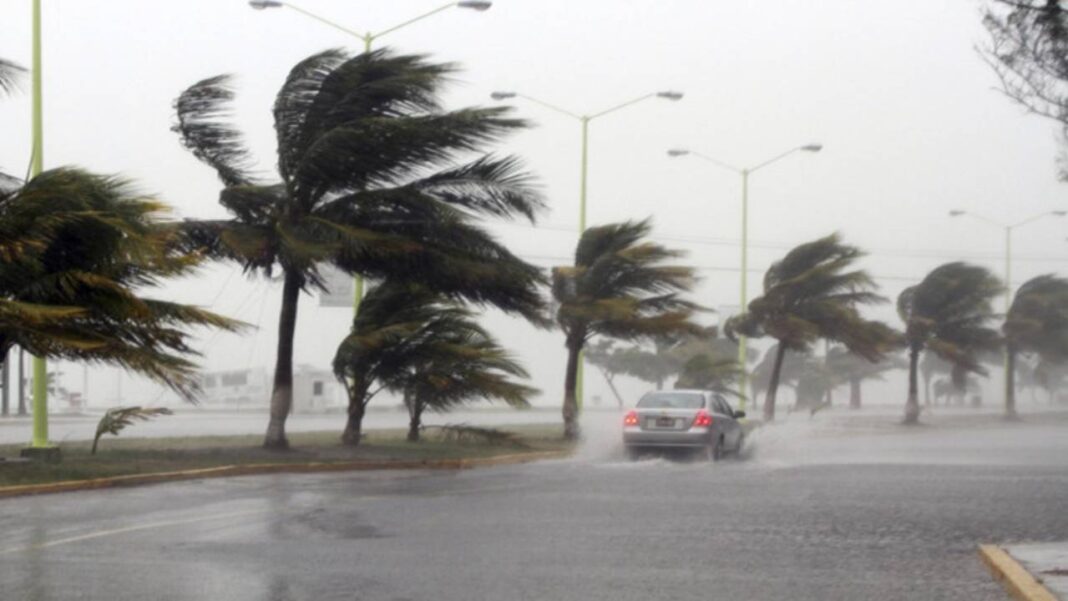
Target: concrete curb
column 227, row 471
column 1018, row 582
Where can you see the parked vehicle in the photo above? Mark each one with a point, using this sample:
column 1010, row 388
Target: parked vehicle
column 683, row 419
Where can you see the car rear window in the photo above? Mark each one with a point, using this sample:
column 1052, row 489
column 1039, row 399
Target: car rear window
column 672, row 400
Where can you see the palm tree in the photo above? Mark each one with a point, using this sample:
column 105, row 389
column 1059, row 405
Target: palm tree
column 369, row 182
column 1037, row 323
column 76, row 250
column 461, row 363
column 610, row 361
column 10, row 75
column 810, row 294
column 619, row 287
column 410, row 340
column 852, row 369
column 947, row 313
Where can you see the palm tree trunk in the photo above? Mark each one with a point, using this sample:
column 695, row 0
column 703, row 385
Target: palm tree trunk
column 612, row 386
column 5, row 402
column 415, row 413
column 22, row 382
column 912, row 406
column 353, row 424
column 773, row 383
column 1010, row 382
column 570, row 410
column 660, row 383
column 927, row 389
column 854, row 393
column 282, row 394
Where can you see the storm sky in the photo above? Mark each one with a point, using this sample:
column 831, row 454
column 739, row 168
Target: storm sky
column 908, row 113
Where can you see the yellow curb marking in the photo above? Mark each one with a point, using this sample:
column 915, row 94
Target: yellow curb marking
column 1014, row 577
column 101, row 533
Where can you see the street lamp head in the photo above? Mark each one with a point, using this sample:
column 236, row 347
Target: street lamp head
column 262, row 4
column 812, row 147
column 669, row 95
column 956, row 213
column 678, row 152
column 1059, row 213
column 479, row 5
column 502, row 95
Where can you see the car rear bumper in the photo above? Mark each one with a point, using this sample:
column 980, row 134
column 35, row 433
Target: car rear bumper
column 694, row 437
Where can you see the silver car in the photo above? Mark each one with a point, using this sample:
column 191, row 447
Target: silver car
column 694, row 419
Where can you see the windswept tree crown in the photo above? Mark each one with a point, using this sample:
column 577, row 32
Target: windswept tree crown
column 374, row 177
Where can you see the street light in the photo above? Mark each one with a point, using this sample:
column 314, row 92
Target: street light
column 368, row 38
column 744, row 172
column 584, row 120
column 371, row 36
column 1008, row 227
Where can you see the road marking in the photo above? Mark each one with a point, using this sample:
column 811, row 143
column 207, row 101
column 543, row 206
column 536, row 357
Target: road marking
column 116, row 531
column 1018, row 582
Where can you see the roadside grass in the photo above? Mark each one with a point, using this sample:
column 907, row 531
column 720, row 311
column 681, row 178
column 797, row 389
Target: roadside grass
column 126, row 456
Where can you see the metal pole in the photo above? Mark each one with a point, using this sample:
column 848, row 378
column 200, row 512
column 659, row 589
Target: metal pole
column 5, row 402
column 22, row 381
column 357, row 293
column 40, row 368
column 579, row 379
column 1008, row 300
column 742, row 357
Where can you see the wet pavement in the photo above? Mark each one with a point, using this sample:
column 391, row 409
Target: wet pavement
column 808, row 513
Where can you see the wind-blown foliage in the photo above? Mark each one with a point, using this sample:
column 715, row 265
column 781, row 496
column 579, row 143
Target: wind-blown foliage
column 810, row 295
column 1028, row 50
column 10, row 76
column 117, row 418
column 848, row 368
column 418, row 343
column 619, row 287
column 371, row 181
column 76, row 250
column 948, row 314
column 1036, row 324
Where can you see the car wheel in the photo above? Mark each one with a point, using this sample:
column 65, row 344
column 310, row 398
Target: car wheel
column 714, row 451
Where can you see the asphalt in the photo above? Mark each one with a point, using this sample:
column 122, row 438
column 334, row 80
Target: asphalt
column 807, row 513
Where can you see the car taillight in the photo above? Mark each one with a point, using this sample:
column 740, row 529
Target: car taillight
column 702, row 419
column 631, row 418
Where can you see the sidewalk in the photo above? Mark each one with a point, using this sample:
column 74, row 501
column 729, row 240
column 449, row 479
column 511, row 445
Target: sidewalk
column 1031, row 572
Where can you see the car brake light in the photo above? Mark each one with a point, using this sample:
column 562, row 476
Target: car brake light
column 631, row 419
column 702, row 419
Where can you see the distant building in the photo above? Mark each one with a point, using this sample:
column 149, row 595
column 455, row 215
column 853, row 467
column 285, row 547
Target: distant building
column 313, row 389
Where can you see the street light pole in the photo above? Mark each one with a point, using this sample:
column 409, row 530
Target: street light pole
column 584, row 121
column 368, row 38
column 40, row 367
column 1009, row 228
column 744, row 172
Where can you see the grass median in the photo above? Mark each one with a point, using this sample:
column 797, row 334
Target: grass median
column 130, row 456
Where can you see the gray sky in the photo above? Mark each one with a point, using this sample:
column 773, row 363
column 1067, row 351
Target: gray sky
column 905, row 107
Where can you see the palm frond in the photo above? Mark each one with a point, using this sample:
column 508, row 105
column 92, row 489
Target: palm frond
column 202, row 112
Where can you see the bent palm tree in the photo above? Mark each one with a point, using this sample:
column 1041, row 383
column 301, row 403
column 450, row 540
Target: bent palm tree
column 75, row 250
column 811, row 294
column 619, row 288
column 413, row 341
column 947, row 313
column 1037, row 323
column 461, row 363
column 369, row 182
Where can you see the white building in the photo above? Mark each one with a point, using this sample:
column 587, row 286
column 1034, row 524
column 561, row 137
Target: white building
column 313, row 389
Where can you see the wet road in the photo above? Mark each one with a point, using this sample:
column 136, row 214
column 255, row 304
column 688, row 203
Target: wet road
column 810, row 514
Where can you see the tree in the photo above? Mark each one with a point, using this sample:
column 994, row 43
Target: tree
column 610, row 362
column 619, row 287
column 1037, row 323
column 847, row 367
column 709, row 363
column 460, row 363
column 369, row 182
column 1028, row 50
column 930, row 366
column 810, row 294
column 947, row 314
column 76, row 252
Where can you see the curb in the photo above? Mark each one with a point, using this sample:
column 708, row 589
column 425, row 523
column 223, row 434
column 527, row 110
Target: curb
column 1016, row 580
column 254, row 469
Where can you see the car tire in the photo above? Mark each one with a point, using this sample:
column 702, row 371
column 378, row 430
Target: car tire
column 714, row 451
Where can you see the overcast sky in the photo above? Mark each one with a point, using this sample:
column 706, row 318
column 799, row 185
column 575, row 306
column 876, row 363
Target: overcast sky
column 906, row 110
